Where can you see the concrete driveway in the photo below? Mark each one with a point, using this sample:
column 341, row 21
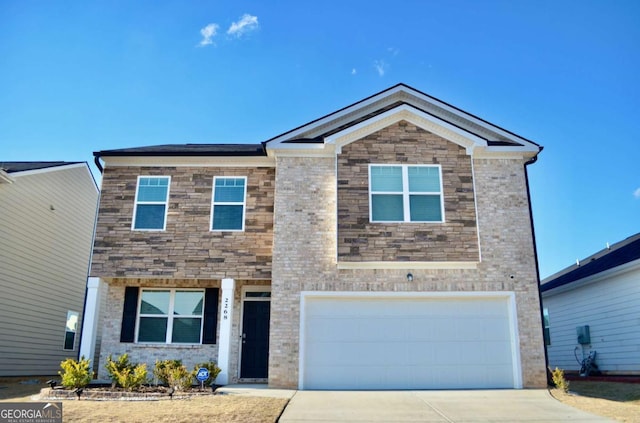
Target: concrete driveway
column 431, row 406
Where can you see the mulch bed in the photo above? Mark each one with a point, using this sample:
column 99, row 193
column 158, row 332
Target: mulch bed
column 604, row 378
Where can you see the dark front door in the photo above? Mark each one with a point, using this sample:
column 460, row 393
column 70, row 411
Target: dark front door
column 255, row 339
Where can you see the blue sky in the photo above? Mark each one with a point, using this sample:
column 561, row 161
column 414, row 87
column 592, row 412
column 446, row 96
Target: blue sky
column 81, row 76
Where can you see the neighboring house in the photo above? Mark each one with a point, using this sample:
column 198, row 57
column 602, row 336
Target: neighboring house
column 387, row 245
column 597, row 298
column 47, row 215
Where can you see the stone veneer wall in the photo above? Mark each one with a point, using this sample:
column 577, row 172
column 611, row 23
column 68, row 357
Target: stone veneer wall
column 404, row 143
column 305, row 249
column 187, row 248
column 189, row 354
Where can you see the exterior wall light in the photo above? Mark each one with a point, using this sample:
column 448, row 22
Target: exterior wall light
column 410, row 277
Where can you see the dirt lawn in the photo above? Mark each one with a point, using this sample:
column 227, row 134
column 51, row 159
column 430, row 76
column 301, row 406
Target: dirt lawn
column 619, row 401
column 214, row 408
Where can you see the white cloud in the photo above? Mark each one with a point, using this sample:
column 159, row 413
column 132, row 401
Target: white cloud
column 208, row 32
column 381, row 67
column 636, row 193
column 247, row 23
column 353, row 71
column 394, row 51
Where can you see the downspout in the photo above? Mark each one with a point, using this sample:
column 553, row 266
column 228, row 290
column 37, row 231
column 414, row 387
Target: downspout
column 96, row 160
column 535, row 255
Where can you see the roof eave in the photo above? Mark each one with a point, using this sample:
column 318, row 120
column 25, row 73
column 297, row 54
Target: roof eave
column 335, row 116
column 5, row 178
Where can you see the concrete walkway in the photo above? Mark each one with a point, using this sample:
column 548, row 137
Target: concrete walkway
column 431, row 406
column 522, row 405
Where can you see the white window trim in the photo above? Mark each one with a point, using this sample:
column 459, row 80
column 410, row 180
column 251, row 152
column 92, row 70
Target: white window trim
column 170, row 316
column 546, row 327
column 406, row 194
column 228, row 203
column 165, row 202
column 255, row 288
column 75, row 332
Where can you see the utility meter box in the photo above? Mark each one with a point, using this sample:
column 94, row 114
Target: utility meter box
column 584, row 337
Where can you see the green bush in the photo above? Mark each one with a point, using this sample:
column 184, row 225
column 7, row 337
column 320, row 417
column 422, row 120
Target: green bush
column 75, row 374
column 125, row 374
column 213, row 368
column 117, row 367
column 173, row 373
column 558, row 379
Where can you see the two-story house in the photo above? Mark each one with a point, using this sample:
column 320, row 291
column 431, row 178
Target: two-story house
column 387, row 245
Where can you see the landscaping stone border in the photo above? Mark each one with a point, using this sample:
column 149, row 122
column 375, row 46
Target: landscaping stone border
column 101, row 394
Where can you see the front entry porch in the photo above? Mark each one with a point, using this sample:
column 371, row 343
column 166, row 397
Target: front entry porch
column 251, row 336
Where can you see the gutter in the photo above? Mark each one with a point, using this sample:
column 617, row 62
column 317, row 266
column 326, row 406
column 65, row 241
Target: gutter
column 535, row 254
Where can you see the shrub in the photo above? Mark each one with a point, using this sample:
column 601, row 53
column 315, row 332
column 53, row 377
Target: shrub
column 558, row 379
column 125, row 374
column 213, row 368
column 117, row 367
column 75, row 374
column 173, row 373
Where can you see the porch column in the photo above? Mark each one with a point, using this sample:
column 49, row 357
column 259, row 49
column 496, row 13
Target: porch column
column 226, row 318
column 90, row 318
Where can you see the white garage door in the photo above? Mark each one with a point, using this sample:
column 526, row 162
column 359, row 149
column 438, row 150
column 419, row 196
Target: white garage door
column 373, row 342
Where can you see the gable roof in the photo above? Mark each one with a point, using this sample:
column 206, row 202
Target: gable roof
column 616, row 255
column 394, row 98
column 12, row 167
column 327, row 135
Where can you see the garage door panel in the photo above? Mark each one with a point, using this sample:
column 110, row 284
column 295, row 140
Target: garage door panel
column 407, row 343
column 445, row 354
column 420, row 354
column 495, row 353
column 378, row 328
column 333, row 329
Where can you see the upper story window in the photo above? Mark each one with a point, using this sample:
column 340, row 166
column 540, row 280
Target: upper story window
column 152, row 197
column 171, row 316
column 405, row 193
column 229, row 202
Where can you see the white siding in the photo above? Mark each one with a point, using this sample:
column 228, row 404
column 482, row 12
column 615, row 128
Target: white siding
column 611, row 308
column 44, row 258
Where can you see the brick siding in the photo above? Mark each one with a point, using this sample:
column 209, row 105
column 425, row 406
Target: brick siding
column 147, row 353
column 305, row 251
column 187, row 248
column 403, row 143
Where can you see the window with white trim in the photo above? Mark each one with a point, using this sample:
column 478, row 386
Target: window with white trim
column 405, row 193
column 171, row 316
column 70, row 330
column 546, row 331
column 229, row 203
column 152, row 198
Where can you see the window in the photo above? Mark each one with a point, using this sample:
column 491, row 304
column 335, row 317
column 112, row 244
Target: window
column 70, row 330
column 171, row 316
column 401, row 193
column 227, row 209
column 152, row 196
column 547, row 333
